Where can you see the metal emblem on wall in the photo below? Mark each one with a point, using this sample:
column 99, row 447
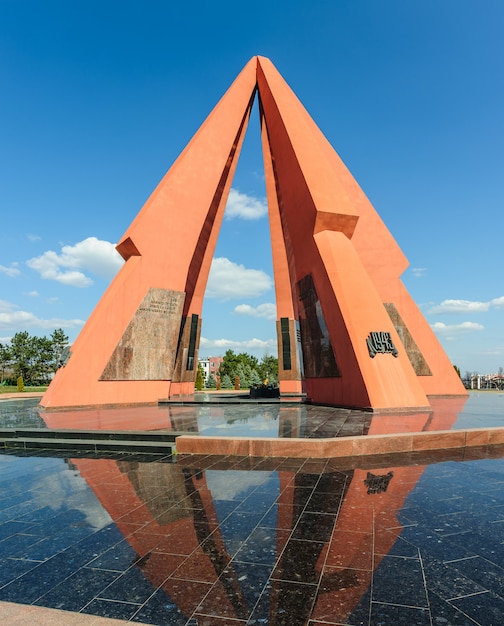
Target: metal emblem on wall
column 380, row 343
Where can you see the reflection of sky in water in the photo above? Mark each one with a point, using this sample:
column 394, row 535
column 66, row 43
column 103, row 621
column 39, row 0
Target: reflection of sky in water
column 483, row 409
column 20, row 414
column 235, row 484
column 257, row 423
column 53, row 488
column 241, row 499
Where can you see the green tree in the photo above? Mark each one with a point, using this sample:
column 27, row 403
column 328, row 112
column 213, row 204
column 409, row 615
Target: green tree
column 6, row 362
column 36, row 358
column 211, row 382
column 226, row 382
column 243, row 371
column 255, row 379
column 200, row 377
column 59, row 342
column 233, row 364
column 268, row 368
column 229, row 364
column 24, row 355
column 43, row 362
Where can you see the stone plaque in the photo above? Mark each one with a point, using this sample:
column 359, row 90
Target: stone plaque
column 148, row 347
column 416, row 358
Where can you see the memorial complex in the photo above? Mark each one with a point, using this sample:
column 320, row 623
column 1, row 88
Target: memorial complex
column 349, row 334
column 385, row 506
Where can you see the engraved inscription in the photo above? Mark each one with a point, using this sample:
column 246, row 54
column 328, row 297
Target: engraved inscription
column 162, row 307
column 147, row 348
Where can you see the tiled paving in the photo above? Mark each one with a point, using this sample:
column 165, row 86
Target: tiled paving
column 215, row 417
column 396, row 540
column 389, row 540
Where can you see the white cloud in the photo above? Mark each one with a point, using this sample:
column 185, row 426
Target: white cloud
column 466, row 306
column 268, row 345
column 33, row 294
column 451, row 331
column 11, row 317
column 230, row 484
column 229, row 280
column 418, row 272
column 246, row 207
column 69, row 490
column 497, row 302
column 33, row 237
column 495, row 351
column 92, row 255
column 266, row 310
column 10, row 271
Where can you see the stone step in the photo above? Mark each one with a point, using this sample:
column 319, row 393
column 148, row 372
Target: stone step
column 153, row 442
column 93, row 445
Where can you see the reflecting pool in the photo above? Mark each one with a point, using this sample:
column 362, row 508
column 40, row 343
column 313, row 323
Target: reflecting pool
column 401, row 539
column 218, row 540
column 280, row 419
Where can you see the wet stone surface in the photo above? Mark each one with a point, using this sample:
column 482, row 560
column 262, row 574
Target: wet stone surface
column 222, row 417
column 227, row 540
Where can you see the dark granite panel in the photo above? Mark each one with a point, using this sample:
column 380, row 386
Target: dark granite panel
column 298, row 562
column 443, row 612
column 118, row 558
column 399, row 581
column 237, row 591
column 448, row 582
column 484, row 608
column 264, row 545
column 77, row 591
column 399, row 615
column 10, row 569
column 160, row 609
column 113, row 610
column 131, row 586
column 314, row 526
column 284, row 604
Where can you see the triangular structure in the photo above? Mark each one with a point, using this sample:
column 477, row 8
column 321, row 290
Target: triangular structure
column 349, row 334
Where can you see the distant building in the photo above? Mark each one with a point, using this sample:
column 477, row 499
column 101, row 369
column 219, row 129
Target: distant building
column 210, row 365
column 485, row 381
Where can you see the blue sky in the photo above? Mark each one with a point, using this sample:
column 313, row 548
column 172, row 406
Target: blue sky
column 99, row 98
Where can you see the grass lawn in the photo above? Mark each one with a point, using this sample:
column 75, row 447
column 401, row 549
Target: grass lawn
column 13, row 388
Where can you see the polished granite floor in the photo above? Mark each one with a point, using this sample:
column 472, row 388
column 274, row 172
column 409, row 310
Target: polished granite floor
column 214, row 417
column 398, row 540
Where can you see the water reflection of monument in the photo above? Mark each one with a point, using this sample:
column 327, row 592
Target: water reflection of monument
column 323, row 536
column 266, row 420
column 284, row 545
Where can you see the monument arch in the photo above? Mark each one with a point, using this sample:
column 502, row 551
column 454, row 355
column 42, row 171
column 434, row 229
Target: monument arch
column 349, row 334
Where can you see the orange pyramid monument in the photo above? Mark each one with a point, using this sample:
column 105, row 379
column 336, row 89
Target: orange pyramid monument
column 348, row 332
